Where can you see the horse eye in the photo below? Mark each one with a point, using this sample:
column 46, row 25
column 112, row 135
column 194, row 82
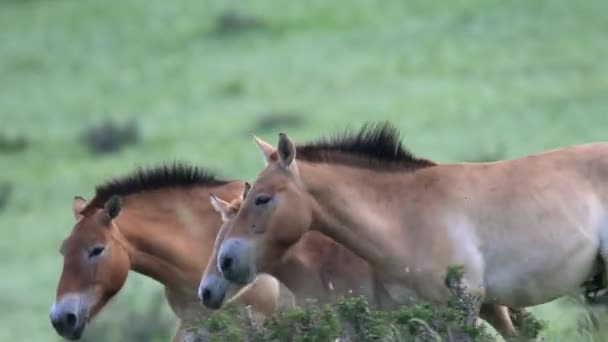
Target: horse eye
column 96, row 251
column 262, row 199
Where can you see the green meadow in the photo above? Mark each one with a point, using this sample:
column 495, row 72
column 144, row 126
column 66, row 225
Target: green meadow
column 463, row 80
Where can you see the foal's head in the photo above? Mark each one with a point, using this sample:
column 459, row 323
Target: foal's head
column 213, row 288
column 274, row 215
column 95, row 267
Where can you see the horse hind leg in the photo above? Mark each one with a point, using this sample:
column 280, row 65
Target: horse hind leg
column 499, row 318
column 600, row 281
column 594, row 289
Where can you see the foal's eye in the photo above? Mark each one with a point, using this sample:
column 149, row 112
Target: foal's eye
column 262, row 199
column 96, row 251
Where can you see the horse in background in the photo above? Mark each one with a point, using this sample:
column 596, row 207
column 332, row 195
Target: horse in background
column 157, row 222
column 315, row 268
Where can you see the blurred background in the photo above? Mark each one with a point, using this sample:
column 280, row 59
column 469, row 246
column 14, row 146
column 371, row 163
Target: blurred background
column 91, row 89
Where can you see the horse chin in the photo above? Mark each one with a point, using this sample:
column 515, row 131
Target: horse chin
column 76, row 334
column 244, row 278
column 215, row 304
column 75, row 305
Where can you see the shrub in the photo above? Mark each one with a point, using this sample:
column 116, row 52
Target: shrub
column 232, row 21
column 12, row 144
column 109, row 136
column 351, row 319
column 6, row 189
column 275, row 120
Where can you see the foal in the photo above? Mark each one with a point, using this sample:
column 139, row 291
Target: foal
column 314, row 268
column 157, row 222
column 526, row 230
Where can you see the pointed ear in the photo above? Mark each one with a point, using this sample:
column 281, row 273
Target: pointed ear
column 266, row 148
column 112, row 207
column 246, row 190
column 77, row 206
column 287, row 150
column 221, row 207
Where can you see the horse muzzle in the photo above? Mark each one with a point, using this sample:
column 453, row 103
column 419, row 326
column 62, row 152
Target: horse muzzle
column 234, row 261
column 212, row 291
column 69, row 316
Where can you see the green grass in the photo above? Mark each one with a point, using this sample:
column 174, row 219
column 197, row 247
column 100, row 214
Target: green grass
column 459, row 79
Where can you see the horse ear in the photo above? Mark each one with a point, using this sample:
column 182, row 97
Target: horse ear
column 267, row 149
column 287, row 150
column 220, row 206
column 78, row 206
column 112, row 207
column 246, row 190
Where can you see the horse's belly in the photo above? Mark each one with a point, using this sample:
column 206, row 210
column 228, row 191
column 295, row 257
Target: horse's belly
column 539, row 276
column 540, row 250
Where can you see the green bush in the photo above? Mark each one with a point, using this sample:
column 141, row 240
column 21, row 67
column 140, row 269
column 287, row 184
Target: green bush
column 351, row 319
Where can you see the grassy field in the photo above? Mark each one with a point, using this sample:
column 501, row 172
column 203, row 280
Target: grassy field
column 461, row 80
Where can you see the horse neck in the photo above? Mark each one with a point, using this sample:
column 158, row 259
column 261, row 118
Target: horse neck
column 169, row 233
column 360, row 217
column 300, row 269
column 318, row 267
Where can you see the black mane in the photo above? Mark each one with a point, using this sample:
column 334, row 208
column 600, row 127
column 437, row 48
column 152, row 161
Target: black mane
column 153, row 178
column 375, row 145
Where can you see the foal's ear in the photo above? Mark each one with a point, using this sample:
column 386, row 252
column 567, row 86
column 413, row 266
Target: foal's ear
column 286, row 149
column 221, row 207
column 112, row 207
column 77, row 206
column 267, row 149
column 246, row 190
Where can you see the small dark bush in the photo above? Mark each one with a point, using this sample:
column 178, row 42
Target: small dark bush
column 232, row 88
column 6, row 189
column 231, row 21
column 273, row 121
column 109, row 136
column 12, row 144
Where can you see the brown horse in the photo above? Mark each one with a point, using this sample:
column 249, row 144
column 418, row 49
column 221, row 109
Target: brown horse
column 315, row 267
column 526, row 230
column 157, row 222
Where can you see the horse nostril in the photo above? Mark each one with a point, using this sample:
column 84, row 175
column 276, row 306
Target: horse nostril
column 226, row 263
column 71, row 320
column 206, row 295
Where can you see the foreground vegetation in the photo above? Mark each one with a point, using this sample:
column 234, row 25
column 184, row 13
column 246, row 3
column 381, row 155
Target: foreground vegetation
column 463, row 80
column 353, row 320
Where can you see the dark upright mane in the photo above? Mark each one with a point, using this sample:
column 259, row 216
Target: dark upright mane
column 147, row 179
column 375, row 146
